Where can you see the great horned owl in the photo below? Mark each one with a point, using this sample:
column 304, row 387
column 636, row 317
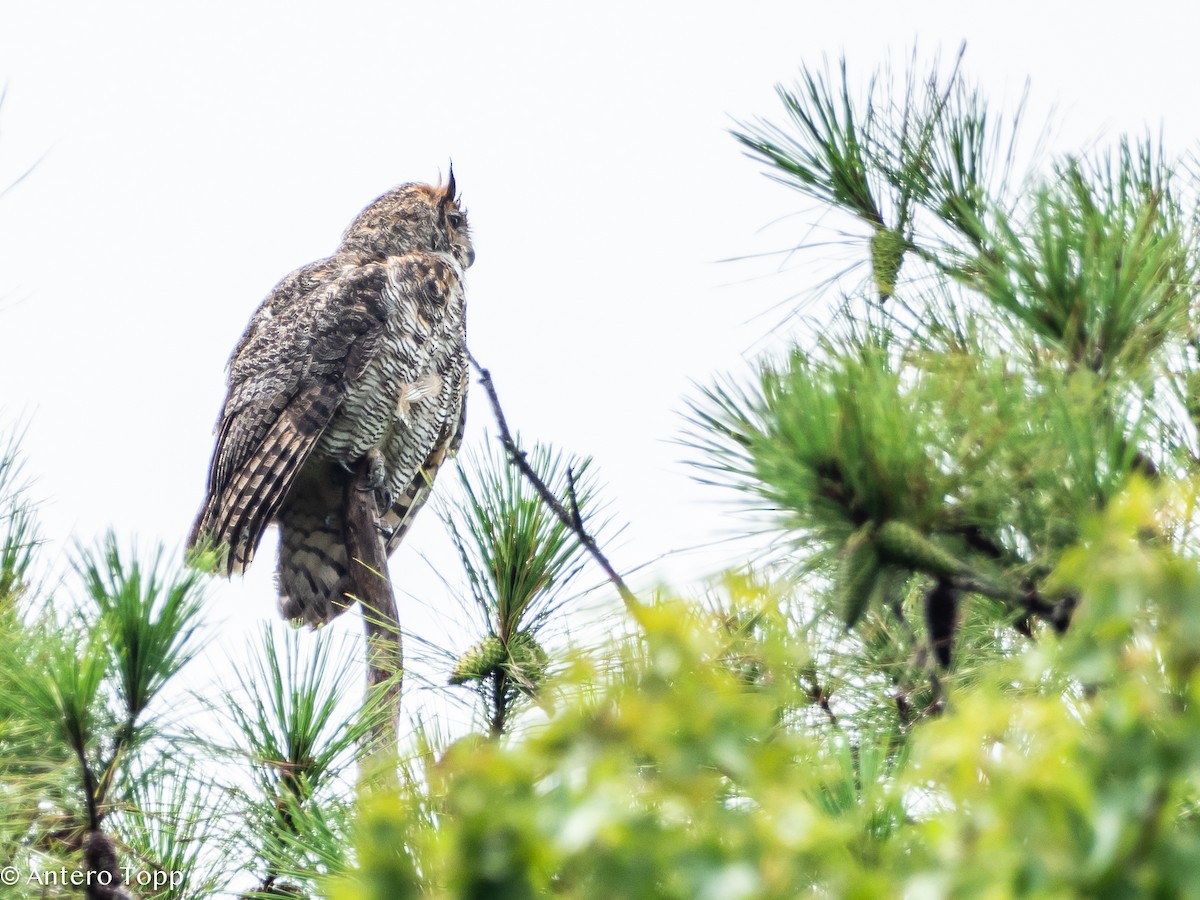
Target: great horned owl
column 359, row 355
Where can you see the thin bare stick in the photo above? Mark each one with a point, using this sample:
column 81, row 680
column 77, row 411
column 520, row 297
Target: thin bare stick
column 576, row 518
column 368, row 576
column 518, row 458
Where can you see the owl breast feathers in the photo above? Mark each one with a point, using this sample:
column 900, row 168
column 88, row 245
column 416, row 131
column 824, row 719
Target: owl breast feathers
column 358, row 356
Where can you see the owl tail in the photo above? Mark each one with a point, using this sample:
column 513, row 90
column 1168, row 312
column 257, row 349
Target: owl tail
column 313, row 573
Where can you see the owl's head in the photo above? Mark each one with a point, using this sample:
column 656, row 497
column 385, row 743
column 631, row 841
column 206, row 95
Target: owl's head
column 412, row 218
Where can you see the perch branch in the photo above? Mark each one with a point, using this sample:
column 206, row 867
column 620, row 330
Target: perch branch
column 369, row 579
column 518, row 458
column 576, row 518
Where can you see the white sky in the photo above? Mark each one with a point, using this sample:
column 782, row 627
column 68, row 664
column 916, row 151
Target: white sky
column 192, row 158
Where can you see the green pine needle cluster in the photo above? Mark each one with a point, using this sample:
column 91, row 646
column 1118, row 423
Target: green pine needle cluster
column 1036, row 365
column 18, row 528
column 298, row 723
column 520, row 561
column 88, row 742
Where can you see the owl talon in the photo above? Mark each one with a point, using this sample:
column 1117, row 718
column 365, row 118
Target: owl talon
column 376, row 473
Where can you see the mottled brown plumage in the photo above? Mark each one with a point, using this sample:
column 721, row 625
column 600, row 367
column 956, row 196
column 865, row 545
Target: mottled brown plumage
column 361, row 354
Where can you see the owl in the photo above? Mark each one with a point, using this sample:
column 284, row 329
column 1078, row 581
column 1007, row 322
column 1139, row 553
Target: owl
column 358, row 356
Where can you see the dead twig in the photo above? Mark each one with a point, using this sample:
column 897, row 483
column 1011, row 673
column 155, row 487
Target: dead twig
column 576, row 518
column 518, row 458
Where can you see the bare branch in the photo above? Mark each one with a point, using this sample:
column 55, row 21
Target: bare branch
column 518, row 458
column 373, row 588
column 574, row 499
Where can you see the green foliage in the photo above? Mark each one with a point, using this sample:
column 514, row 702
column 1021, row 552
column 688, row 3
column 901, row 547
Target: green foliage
column 94, row 672
column 906, row 149
column 669, row 778
column 292, row 720
column 301, row 737
column 1102, row 263
column 1088, row 791
column 1069, row 768
column 170, row 826
column 87, row 744
column 1010, row 439
column 149, row 626
column 1029, row 373
column 827, row 157
column 35, row 765
column 517, row 554
column 83, row 733
column 18, row 528
column 836, row 443
column 520, row 561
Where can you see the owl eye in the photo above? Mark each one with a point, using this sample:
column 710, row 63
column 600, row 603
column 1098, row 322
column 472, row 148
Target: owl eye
column 455, row 220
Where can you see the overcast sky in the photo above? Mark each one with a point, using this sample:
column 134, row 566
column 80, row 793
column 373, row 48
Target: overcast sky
column 187, row 160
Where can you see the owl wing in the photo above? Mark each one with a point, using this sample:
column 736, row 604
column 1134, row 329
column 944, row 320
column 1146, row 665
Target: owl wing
column 312, row 337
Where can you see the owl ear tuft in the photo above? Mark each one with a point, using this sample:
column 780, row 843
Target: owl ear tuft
column 449, row 192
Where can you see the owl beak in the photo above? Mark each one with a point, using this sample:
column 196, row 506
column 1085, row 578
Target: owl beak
column 470, row 257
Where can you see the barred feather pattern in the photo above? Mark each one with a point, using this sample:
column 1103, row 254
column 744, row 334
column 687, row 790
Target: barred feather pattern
column 360, row 353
